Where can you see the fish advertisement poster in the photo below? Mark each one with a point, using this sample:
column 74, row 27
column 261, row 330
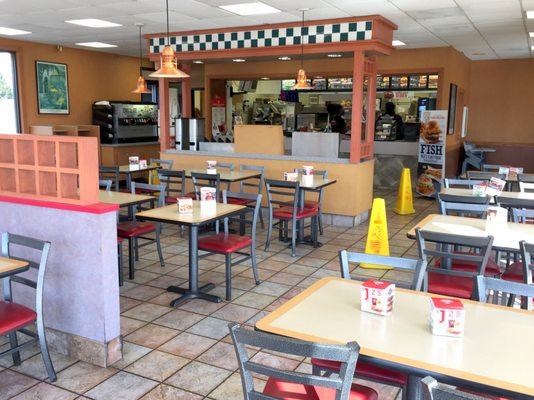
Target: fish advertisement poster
column 431, row 160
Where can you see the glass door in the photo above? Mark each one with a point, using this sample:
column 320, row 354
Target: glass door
column 9, row 103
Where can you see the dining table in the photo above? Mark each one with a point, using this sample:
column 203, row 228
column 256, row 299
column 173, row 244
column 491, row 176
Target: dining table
column 200, row 215
column 505, row 195
column 11, row 266
column 129, row 170
column 124, row 199
column 494, row 355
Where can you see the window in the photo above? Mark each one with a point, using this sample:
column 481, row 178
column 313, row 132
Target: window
column 9, row 103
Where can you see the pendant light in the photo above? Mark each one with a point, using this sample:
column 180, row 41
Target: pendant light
column 141, row 84
column 168, row 67
column 302, row 80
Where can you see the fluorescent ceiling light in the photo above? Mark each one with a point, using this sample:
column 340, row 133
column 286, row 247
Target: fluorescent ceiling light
column 93, row 23
column 530, row 14
column 398, row 43
column 264, row 78
column 238, row 60
column 250, row 8
column 531, row 34
column 12, row 32
column 198, row 62
column 284, row 58
column 334, row 55
column 532, row 48
column 96, row 45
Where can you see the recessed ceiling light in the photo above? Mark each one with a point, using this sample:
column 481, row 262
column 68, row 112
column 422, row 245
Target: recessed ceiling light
column 93, row 23
column 333, row 55
column 250, row 8
column 239, row 60
column 284, row 58
column 531, row 34
column 530, row 14
column 398, row 43
column 12, row 32
column 264, row 78
column 96, row 45
column 198, row 62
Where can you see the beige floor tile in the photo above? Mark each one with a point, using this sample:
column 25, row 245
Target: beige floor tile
column 210, row 327
column 81, row 377
column 200, row 306
column 152, row 336
column 143, row 292
column 187, row 345
column 157, row 365
column 198, row 378
column 127, row 303
column 221, row 355
column 128, row 325
column 179, row 319
column 122, row 386
column 130, row 353
column 166, row 392
column 44, row 391
column 271, row 288
column 256, row 300
column 275, row 361
column 13, row 383
column 235, row 313
column 35, row 368
column 233, row 389
column 147, row 312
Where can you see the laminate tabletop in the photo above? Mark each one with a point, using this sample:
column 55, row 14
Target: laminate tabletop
column 128, row 169
column 504, row 194
column 495, row 351
column 228, row 176
column 123, row 199
column 10, row 266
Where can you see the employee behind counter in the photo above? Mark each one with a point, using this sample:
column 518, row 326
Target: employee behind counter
column 389, row 125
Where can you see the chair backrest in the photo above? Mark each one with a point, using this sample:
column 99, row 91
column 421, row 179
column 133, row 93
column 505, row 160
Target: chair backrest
column 282, row 193
column 242, row 219
column 481, row 246
column 225, row 165
column 522, row 215
column 484, row 175
column 174, row 180
column 158, row 190
column 256, row 183
column 503, row 292
column 10, row 240
column 418, row 267
column 163, row 164
column 105, row 184
column 111, row 173
column 491, row 167
column 527, row 255
column 527, row 178
column 514, row 203
column 319, row 172
column 202, row 179
column 462, row 183
column 432, row 390
column 463, row 205
column 526, row 187
column 347, row 355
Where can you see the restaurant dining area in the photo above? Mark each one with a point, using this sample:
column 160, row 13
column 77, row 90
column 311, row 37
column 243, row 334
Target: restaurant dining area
column 266, row 200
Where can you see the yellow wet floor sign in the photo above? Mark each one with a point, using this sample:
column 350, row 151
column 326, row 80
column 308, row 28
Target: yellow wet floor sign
column 377, row 235
column 405, row 196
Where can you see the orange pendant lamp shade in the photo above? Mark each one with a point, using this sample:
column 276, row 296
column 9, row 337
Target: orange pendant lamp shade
column 141, row 86
column 168, row 67
column 302, row 80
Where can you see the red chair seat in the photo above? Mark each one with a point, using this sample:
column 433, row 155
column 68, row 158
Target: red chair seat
column 237, row 201
column 14, row 316
column 448, row 285
column 514, row 273
column 223, row 243
column 128, row 229
column 295, row 391
column 119, row 240
column 492, row 268
column 367, row 370
column 311, row 204
column 171, row 200
column 287, row 213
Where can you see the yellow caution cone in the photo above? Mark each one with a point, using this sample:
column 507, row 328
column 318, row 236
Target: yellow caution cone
column 377, row 235
column 405, row 196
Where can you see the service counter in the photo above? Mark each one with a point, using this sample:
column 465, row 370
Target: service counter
column 345, row 203
column 390, row 159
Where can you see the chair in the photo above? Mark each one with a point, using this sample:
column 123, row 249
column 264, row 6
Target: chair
column 175, row 184
column 463, row 204
column 291, row 385
column 432, row 390
column 484, row 175
column 526, row 178
column 526, row 187
column 111, row 173
column 462, row 183
column 473, row 157
column 367, row 370
column 492, row 167
column 288, row 211
column 105, row 184
column 257, row 185
column 15, row 317
column 135, row 230
column 226, row 166
column 162, row 164
column 455, row 282
column 499, row 291
column 228, row 244
column 201, row 179
column 319, row 202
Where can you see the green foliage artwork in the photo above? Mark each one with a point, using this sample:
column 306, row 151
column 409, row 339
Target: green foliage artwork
column 52, row 88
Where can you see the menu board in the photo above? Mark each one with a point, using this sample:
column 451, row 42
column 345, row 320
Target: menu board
column 431, row 158
column 319, row 84
column 433, row 81
column 403, row 82
column 287, row 84
column 340, row 83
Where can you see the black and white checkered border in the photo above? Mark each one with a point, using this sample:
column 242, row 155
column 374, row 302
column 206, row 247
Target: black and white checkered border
column 327, row 33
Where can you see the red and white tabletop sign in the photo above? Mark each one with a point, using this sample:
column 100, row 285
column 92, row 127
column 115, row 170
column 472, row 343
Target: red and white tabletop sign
column 447, row 317
column 377, row 297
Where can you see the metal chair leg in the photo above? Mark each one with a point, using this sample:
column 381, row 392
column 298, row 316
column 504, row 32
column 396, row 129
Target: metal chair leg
column 293, row 238
column 158, row 246
column 13, row 342
column 119, row 252
column 136, row 247
column 254, row 266
column 131, row 259
column 261, row 219
column 316, row 226
column 228, row 264
column 44, row 349
column 269, row 231
column 321, row 221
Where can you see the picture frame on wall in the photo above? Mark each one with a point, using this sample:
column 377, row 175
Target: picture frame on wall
column 452, row 109
column 52, row 87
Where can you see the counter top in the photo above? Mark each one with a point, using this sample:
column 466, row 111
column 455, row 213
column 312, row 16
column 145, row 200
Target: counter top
column 260, row 156
column 129, row 144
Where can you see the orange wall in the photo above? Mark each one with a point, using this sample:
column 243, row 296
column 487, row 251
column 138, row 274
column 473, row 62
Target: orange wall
column 502, row 101
column 92, row 76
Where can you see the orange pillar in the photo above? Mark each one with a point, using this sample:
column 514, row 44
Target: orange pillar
column 164, row 115
column 186, row 92
column 357, row 107
column 371, row 110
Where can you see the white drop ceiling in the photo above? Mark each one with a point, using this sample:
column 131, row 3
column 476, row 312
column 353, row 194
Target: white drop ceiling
column 481, row 29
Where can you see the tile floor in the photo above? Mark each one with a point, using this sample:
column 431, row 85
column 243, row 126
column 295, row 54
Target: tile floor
column 186, row 353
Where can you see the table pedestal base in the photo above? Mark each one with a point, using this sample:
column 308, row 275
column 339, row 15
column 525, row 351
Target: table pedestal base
column 188, row 294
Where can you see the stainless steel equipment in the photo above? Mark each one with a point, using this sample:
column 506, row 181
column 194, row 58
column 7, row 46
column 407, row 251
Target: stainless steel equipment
column 189, row 133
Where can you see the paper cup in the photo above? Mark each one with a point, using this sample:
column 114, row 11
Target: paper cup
column 308, row 169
